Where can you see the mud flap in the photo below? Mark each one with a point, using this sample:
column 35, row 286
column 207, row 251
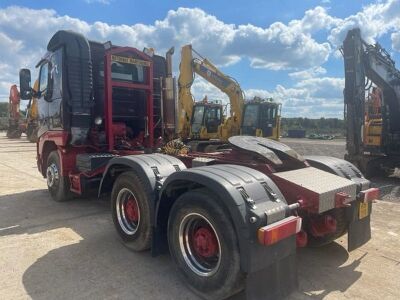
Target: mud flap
column 274, row 282
column 273, row 271
column 359, row 231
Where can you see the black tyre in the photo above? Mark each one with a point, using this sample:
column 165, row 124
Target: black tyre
column 204, row 246
column 31, row 133
column 14, row 133
column 130, row 206
column 341, row 228
column 58, row 185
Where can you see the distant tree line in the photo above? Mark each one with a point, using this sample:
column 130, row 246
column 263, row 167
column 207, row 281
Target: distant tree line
column 3, row 109
column 333, row 126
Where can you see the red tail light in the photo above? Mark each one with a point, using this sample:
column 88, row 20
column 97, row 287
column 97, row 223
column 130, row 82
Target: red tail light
column 370, row 194
column 278, row 231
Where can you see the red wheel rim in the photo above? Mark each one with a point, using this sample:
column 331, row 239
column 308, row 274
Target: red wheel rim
column 199, row 244
column 128, row 211
column 132, row 210
column 205, row 242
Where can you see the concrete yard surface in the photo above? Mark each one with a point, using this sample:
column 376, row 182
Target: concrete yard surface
column 70, row 250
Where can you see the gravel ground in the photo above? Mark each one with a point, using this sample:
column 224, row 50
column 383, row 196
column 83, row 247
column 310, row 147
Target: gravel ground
column 69, row 250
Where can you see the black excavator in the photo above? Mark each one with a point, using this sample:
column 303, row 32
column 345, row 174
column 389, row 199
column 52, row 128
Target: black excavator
column 372, row 106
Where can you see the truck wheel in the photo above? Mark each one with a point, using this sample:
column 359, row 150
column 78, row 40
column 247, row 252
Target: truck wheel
column 204, row 246
column 341, row 228
column 131, row 211
column 57, row 184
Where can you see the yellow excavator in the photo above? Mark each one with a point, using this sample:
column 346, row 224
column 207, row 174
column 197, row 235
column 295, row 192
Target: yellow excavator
column 204, row 121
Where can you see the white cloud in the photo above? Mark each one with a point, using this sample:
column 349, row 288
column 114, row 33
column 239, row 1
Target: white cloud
column 312, row 97
column 27, row 31
column 314, row 20
column 291, row 46
column 281, row 46
column 201, row 88
column 374, row 20
column 396, row 41
column 307, row 74
column 325, row 87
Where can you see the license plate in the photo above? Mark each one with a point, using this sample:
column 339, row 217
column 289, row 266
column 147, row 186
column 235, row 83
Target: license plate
column 363, row 210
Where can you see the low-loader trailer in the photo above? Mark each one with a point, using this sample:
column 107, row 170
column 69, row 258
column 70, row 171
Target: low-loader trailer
column 231, row 220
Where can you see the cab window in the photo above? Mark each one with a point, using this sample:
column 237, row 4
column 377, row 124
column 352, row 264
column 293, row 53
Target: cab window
column 250, row 116
column 44, row 75
column 213, row 119
column 125, row 72
column 198, row 116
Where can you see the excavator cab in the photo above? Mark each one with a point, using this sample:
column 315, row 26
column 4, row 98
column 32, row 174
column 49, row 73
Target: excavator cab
column 261, row 119
column 205, row 121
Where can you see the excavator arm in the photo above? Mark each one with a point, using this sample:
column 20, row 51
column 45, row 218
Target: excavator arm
column 369, row 66
column 204, row 68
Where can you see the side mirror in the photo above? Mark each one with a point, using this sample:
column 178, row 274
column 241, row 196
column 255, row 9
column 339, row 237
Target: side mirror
column 25, row 84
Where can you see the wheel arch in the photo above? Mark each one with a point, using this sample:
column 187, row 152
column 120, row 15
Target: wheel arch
column 152, row 168
column 225, row 182
column 46, row 149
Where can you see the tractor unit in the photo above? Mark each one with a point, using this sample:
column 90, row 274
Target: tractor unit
column 231, row 220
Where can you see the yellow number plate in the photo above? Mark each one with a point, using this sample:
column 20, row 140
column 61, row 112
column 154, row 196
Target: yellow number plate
column 363, row 210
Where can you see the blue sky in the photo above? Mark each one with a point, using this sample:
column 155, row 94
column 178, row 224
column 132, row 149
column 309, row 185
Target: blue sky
column 284, row 49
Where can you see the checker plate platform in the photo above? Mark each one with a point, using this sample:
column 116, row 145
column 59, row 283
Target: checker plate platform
column 319, row 185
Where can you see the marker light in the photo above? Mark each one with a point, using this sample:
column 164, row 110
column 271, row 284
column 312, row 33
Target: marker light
column 273, row 233
column 369, row 195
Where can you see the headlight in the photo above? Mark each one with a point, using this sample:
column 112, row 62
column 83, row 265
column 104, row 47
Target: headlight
column 98, row 121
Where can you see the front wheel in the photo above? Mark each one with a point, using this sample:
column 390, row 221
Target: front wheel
column 58, row 185
column 204, row 246
column 130, row 207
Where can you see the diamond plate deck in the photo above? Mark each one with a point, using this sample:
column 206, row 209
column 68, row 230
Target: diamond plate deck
column 325, row 184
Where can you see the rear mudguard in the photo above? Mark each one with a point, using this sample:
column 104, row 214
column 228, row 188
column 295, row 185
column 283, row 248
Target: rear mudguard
column 151, row 168
column 252, row 200
column 341, row 168
column 359, row 230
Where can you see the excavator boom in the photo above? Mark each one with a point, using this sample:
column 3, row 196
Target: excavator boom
column 188, row 67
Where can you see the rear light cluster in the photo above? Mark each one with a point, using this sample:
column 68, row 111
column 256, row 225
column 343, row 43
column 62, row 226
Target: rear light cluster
column 369, row 195
column 271, row 234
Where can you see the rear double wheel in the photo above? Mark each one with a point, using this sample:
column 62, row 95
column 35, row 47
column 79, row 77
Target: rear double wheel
column 131, row 211
column 204, row 246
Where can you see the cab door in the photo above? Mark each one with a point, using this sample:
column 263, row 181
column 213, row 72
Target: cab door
column 43, row 105
column 50, row 93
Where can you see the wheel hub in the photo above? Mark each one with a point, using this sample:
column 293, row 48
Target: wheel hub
column 199, row 244
column 205, row 243
column 128, row 212
column 52, row 175
column 132, row 210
